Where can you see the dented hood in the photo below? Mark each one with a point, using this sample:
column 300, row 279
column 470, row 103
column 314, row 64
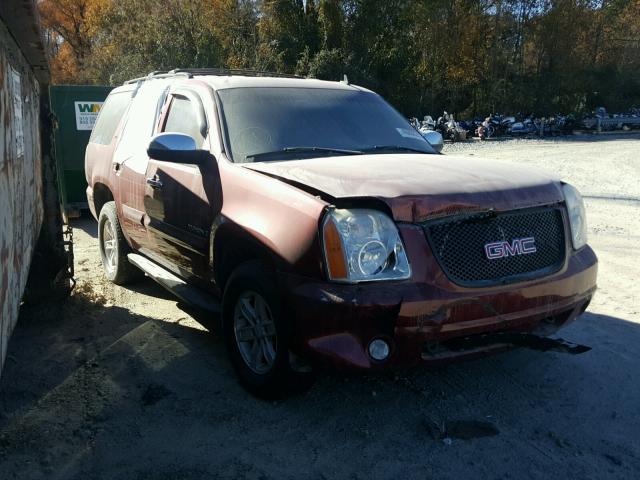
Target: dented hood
column 418, row 187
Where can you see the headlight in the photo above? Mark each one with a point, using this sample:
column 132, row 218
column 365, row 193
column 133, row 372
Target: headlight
column 577, row 216
column 363, row 245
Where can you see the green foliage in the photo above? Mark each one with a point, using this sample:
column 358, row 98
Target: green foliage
column 328, row 65
column 282, row 28
column 466, row 56
column 330, row 20
column 141, row 36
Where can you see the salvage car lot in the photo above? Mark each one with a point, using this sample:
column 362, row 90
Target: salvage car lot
column 126, row 383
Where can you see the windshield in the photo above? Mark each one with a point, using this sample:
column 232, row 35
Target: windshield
column 275, row 123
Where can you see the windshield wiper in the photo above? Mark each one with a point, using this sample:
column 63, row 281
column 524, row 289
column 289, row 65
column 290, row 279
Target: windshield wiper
column 392, row 148
column 341, row 151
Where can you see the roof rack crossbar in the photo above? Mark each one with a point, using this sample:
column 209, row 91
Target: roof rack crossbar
column 155, row 74
column 191, row 72
column 233, row 71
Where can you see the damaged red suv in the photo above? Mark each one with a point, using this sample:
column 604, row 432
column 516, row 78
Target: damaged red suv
column 325, row 229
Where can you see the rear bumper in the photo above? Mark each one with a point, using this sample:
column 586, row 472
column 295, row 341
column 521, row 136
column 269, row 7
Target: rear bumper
column 333, row 324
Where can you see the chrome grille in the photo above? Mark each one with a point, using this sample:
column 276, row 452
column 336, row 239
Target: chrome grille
column 458, row 244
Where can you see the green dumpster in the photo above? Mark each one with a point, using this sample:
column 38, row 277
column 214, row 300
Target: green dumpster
column 75, row 108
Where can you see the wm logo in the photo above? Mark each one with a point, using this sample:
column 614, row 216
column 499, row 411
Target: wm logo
column 89, row 107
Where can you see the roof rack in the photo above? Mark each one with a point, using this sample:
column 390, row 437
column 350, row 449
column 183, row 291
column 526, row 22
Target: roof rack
column 192, row 72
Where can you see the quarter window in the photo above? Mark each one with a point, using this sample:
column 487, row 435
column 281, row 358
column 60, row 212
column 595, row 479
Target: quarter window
column 110, row 115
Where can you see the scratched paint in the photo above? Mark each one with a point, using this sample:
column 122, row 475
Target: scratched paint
column 21, row 206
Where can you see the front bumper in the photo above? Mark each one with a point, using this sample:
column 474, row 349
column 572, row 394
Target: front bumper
column 334, row 324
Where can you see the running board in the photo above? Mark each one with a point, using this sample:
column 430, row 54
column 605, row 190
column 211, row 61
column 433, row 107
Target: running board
column 181, row 289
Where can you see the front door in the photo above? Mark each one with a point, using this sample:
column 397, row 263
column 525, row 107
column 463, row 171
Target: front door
column 181, row 201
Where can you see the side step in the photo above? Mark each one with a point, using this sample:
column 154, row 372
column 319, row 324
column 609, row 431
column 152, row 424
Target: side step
column 181, row 289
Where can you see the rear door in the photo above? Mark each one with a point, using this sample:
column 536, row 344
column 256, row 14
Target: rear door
column 130, row 159
column 102, row 143
column 181, row 201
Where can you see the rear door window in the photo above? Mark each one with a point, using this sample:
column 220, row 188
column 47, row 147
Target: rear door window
column 110, row 115
column 140, row 125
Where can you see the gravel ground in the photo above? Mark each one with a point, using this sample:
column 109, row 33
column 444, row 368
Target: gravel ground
column 126, row 383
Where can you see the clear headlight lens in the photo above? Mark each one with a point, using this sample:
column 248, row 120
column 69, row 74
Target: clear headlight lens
column 577, row 216
column 363, row 245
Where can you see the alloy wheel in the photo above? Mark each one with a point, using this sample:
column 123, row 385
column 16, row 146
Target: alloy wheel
column 109, row 248
column 255, row 332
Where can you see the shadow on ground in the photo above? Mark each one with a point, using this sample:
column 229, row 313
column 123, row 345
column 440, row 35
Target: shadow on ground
column 87, row 224
column 95, row 391
column 98, row 392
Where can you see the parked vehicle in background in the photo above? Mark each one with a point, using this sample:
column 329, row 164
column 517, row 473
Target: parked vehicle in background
column 325, row 228
column 485, row 129
column 449, row 128
column 604, row 121
column 428, row 123
column 527, row 126
column 560, row 125
column 445, row 128
column 496, row 125
column 500, row 124
column 468, row 126
column 446, row 125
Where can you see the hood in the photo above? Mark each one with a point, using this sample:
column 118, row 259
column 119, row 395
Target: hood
column 418, row 187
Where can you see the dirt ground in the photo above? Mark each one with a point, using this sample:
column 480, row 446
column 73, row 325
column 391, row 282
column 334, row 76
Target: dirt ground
column 125, row 383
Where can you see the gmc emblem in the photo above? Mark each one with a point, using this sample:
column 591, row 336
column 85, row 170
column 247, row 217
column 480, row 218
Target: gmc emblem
column 519, row 246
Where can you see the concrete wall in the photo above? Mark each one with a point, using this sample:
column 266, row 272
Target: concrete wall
column 21, row 202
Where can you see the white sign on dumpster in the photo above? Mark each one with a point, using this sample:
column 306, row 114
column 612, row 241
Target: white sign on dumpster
column 86, row 114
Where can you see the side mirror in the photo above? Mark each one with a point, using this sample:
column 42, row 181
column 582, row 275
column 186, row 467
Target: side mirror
column 434, row 138
column 176, row 148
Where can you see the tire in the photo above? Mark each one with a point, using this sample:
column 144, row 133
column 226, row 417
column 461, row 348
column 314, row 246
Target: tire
column 114, row 248
column 260, row 357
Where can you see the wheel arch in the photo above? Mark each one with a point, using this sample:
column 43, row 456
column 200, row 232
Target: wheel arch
column 101, row 195
column 231, row 245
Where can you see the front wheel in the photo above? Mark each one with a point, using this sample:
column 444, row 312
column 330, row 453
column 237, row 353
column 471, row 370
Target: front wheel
column 256, row 334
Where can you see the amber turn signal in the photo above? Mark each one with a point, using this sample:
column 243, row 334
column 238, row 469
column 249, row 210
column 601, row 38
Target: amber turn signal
column 336, row 262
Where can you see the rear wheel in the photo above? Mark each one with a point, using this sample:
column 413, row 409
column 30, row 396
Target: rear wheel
column 114, row 248
column 257, row 335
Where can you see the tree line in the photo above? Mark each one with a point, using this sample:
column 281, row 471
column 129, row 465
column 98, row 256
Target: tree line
column 466, row 56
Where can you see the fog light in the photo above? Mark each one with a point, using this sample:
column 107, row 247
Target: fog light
column 379, row 349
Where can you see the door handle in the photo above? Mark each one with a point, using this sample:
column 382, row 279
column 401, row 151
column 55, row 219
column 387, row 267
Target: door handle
column 154, row 182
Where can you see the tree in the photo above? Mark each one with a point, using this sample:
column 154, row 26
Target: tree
column 331, row 21
column 282, row 30
column 70, row 27
column 469, row 57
